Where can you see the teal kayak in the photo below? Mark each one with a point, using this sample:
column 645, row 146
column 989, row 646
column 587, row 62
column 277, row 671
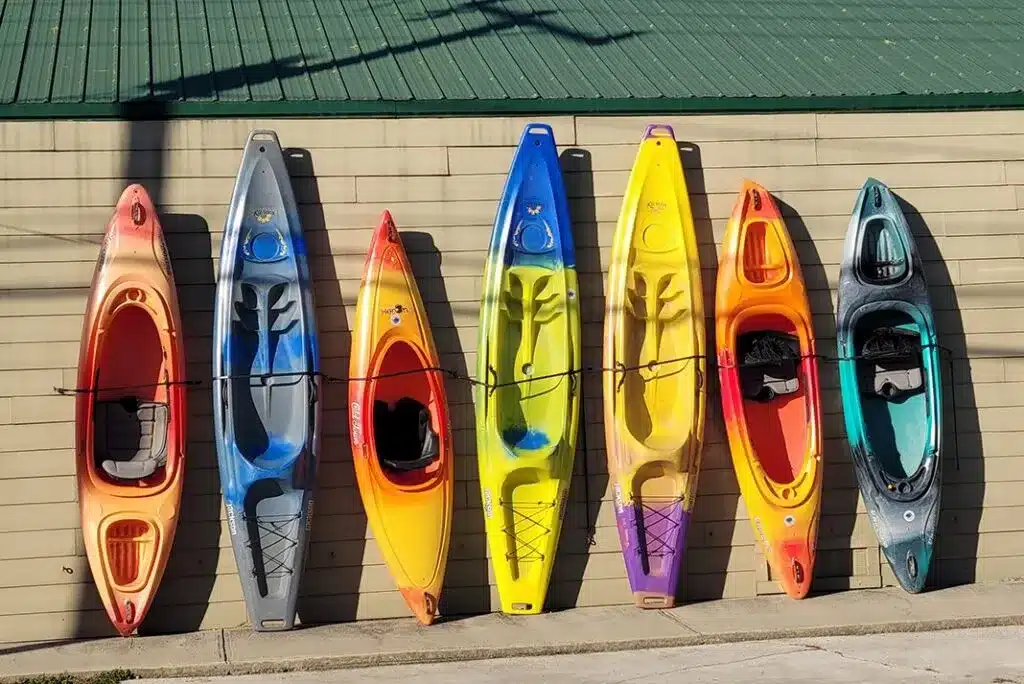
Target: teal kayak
column 890, row 379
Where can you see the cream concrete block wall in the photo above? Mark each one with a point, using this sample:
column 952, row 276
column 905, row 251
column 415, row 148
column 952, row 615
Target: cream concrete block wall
column 963, row 174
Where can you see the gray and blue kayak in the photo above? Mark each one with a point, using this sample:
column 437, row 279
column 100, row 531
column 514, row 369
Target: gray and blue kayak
column 890, row 380
column 266, row 386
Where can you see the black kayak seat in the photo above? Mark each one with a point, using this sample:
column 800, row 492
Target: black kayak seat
column 130, row 437
column 403, row 436
column 769, row 365
column 891, row 382
column 891, row 363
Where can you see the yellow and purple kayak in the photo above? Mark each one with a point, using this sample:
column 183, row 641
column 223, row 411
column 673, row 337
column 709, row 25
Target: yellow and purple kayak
column 654, row 391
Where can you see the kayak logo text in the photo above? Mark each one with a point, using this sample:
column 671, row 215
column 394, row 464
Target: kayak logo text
column 357, row 423
column 232, row 523
column 395, row 312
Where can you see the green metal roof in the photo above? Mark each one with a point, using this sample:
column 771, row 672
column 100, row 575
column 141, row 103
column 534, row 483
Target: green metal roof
column 96, row 58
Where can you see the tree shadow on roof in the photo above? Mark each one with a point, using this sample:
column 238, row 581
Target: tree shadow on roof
column 268, row 81
column 501, row 17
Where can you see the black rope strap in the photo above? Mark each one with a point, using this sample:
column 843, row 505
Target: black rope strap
column 710, row 360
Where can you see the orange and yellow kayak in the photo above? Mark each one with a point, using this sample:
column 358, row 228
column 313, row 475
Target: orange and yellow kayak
column 400, row 431
column 130, row 413
column 769, row 377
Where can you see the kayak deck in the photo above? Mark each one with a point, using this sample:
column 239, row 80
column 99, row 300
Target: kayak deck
column 266, row 394
column 890, row 382
column 131, row 424
column 654, row 346
column 770, row 394
column 892, row 395
column 529, row 352
column 400, row 429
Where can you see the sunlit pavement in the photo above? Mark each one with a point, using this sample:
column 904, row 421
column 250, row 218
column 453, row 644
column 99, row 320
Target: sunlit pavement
column 979, row 656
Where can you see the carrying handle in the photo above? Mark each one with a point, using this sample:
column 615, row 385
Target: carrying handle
column 659, row 131
column 264, row 135
column 539, row 133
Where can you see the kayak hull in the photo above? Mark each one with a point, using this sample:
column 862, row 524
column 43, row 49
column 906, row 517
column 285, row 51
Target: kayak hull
column 890, row 381
column 131, row 413
column 400, row 428
column 266, row 390
column 654, row 396
column 529, row 355
column 770, row 390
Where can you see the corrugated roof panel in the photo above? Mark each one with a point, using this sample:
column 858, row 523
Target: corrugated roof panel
column 624, row 66
column 354, row 72
column 544, row 77
column 293, row 57
column 133, row 72
column 473, row 27
column 400, row 43
column 166, row 50
column 40, row 53
column 667, row 65
column 437, row 58
column 542, row 59
column 196, row 57
column 316, row 50
column 226, row 46
column 838, row 51
column 375, row 51
column 762, row 37
column 260, row 70
column 465, row 57
column 13, row 34
column 289, row 60
column 104, row 39
column 72, row 52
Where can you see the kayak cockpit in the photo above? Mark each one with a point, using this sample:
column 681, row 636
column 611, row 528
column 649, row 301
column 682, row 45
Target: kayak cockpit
column 775, row 394
column 892, row 384
column 131, row 437
column 405, row 438
column 131, row 414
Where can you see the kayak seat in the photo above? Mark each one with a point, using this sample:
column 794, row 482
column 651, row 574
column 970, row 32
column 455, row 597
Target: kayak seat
column 891, row 364
column 769, row 365
column 404, row 439
column 131, row 437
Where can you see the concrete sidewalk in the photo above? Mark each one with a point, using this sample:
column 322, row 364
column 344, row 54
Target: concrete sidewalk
column 587, row 630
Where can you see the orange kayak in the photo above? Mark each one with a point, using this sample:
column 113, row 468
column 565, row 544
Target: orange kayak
column 130, row 413
column 400, row 432
column 769, row 378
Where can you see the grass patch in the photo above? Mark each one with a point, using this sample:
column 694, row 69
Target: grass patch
column 108, row 677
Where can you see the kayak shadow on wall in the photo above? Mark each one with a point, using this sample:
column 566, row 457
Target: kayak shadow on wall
column 330, row 587
column 839, row 562
column 466, row 590
column 706, row 559
column 579, row 540
column 963, row 490
column 183, row 599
